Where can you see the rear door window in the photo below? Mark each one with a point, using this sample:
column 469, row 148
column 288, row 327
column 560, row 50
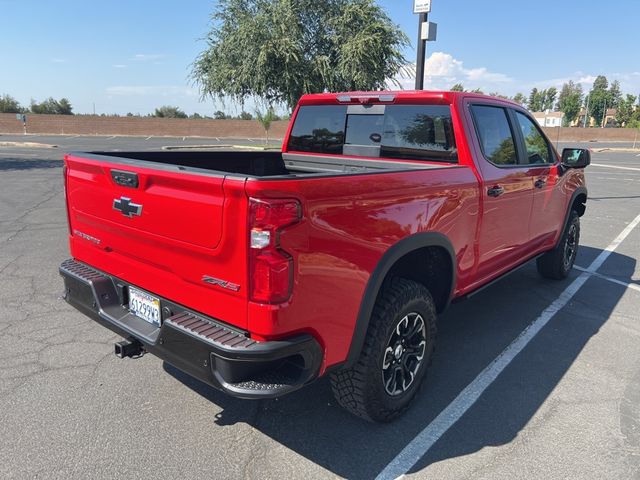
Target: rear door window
column 414, row 132
column 494, row 131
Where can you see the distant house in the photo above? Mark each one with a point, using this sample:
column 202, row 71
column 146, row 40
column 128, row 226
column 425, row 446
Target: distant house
column 549, row 118
column 609, row 119
column 581, row 120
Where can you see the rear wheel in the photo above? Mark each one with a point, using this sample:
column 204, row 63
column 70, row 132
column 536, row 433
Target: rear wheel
column 395, row 356
column 558, row 262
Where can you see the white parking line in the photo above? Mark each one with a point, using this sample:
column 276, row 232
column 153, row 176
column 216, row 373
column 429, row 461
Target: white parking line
column 421, row 444
column 615, row 166
column 110, row 138
column 149, row 137
column 632, row 286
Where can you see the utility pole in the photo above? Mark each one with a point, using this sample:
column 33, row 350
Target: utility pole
column 422, row 52
column 427, row 32
column 586, row 113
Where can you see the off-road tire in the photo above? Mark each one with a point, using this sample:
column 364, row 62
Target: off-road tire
column 555, row 264
column 361, row 389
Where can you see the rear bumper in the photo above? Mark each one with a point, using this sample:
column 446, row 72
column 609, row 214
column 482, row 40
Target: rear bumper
column 205, row 348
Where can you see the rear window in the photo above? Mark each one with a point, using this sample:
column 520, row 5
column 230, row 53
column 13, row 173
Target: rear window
column 413, row 132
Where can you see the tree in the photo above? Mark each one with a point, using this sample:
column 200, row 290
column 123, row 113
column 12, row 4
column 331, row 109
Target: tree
column 549, row 98
column 168, row 111
column 52, row 106
column 278, row 50
column 570, row 101
column 196, row 116
column 599, row 99
column 245, row 116
column 519, row 98
column 477, row 90
column 535, row 100
column 219, row 115
column 64, row 107
column 458, row 87
column 8, row 104
column 265, row 120
column 626, row 110
column 615, row 94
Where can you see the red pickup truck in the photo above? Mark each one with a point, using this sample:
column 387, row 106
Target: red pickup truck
column 258, row 272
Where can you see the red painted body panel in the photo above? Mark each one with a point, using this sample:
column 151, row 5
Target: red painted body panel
column 195, row 225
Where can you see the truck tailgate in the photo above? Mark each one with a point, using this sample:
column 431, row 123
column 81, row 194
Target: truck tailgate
column 161, row 229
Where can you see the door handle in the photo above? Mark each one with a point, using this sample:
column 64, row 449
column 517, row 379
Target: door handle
column 541, row 182
column 495, row 191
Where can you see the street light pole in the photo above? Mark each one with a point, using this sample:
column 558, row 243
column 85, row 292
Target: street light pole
column 422, row 47
column 586, row 113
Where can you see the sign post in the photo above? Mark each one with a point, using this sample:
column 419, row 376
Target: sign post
column 21, row 117
column 426, row 32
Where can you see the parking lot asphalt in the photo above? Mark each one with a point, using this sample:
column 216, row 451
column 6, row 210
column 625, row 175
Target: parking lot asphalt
column 567, row 406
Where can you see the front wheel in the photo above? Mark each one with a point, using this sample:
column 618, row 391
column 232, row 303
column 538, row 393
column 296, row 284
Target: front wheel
column 395, row 356
column 558, row 262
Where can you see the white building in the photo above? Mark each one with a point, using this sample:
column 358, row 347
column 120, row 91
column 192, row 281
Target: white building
column 549, row 118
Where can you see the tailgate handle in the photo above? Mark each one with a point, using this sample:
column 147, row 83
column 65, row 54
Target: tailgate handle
column 126, row 179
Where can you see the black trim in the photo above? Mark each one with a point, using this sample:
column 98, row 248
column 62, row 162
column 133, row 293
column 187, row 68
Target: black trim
column 516, row 135
column 386, row 263
column 495, row 280
column 149, row 164
column 211, row 351
column 578, row 191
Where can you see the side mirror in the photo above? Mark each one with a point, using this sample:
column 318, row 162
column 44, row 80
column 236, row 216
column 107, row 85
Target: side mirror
column 576, row 157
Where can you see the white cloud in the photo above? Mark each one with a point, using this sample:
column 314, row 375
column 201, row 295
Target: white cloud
column 442, row 71
column 146, row 57
column 119, row 65
column 155, row 90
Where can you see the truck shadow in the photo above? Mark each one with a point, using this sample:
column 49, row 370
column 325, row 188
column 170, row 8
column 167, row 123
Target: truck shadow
column 472, row 334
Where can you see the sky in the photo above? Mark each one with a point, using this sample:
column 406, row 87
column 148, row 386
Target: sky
column 122, row 56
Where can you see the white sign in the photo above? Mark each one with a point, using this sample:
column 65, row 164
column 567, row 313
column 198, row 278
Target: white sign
column 429, row 31
column 421, row 6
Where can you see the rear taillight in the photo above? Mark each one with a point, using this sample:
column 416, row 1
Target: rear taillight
column 270, row 267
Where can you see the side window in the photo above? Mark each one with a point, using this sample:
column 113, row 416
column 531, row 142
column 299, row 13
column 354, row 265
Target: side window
column 538, row 150
column 495, row 134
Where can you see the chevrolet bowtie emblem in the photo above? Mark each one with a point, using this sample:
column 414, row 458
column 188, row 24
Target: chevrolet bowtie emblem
column 128, row 209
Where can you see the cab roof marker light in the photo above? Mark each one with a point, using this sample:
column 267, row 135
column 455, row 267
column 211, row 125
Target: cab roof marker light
column 343, row 98
column 387, row 98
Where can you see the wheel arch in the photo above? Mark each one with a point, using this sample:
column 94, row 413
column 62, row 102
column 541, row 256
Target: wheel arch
column 578, row 203
column 395, row 261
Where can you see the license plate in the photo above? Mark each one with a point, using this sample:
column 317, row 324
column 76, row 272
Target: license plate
column 145, row 306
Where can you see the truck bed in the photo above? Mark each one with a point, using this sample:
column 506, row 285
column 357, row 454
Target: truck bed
column 256, row 164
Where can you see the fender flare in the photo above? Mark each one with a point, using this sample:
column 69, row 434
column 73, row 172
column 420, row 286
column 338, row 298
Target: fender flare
column 578, row 191
column 388, row 260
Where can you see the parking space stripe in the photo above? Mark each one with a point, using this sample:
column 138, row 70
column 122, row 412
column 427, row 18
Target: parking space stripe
column 630, row 285
column 423, row 442
column 615, row 166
